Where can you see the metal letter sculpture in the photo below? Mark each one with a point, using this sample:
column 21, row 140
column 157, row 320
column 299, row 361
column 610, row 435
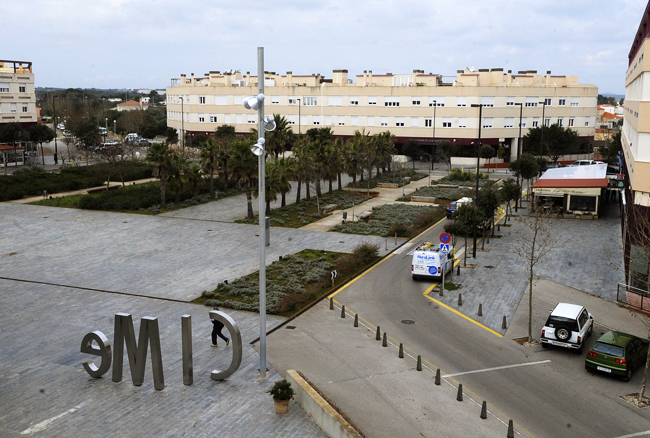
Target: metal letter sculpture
column 103, row 351
column 235, row 338
column 137, row 353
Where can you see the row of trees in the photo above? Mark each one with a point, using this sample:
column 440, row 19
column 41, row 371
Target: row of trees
column 315, row 157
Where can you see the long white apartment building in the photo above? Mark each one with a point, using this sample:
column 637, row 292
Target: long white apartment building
column 420, row 106
column 17, row 95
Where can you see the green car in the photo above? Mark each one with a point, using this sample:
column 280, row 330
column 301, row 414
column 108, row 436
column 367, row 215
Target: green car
column 617, row 353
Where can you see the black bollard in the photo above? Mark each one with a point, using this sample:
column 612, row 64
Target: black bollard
column 378, row 335
column 460, row 299
column 384, row 343
column 356, row 320
column 480, row 310
column 499, row 226
column 331, row 303
column 511, row 431
column 484, row 410
column 458, row 270
column 419, row 365
column 401, row 351
column 503, row 324
column 343, row 311
column 438, row 377
column 459, row 397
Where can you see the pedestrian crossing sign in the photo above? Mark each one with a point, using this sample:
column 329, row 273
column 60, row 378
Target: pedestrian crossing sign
column 444, row 247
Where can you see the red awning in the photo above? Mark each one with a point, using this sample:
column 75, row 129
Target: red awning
column 594, row 183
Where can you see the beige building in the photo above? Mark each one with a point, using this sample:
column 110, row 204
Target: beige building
column 132, row 105
column 411, row 106
column 17, row 96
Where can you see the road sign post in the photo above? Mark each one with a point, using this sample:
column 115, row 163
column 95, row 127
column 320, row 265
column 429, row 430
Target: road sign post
column 444, row 251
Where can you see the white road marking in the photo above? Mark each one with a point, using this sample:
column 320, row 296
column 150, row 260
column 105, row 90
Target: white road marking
column 498, row 368
column 647, row 432
column 402, row 248
column 43, row 424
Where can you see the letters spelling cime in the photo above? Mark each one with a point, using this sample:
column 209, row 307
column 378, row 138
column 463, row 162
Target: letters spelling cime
column 137, row 353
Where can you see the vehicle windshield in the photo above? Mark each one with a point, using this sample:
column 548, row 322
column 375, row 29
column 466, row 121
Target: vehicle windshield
column 560, row 321
column 612, row 350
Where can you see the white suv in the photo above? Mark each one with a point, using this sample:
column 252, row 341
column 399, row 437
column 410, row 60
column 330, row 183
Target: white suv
column 567, row 326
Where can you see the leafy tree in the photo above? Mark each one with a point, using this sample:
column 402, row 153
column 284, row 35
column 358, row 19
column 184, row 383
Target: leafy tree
column 11, row 133
column 487, row 152
column 527, row 167
column 487, row 201
column 172, row 135
column 470, row 217
column 225, row 131
column 244, row 168
column 510, row 191
column 163, row 158
column 131, row 121
column 557, row 141
column 611, row 149
column 87, row 132
column 444, row 150
column 412, row 150
column 40, row 134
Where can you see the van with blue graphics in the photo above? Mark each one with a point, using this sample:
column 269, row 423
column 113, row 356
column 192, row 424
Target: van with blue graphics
column 429, row 261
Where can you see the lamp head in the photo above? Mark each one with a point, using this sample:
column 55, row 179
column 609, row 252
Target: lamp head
column 253, row 102
column 258, row 148
column 269, row 123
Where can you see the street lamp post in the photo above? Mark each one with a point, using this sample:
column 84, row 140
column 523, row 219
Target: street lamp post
column 478, row 161
column 521, row 110
column 433, row 140
column 56, row 149
column 114, row 129
column 182, row 123
column 105, row 128
column 299, row 105
column 541, row 143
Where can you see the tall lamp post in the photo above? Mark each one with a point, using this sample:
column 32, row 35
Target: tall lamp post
column 433, row 140
column 264, row 124
column 541, row 143
column 105, row 128
column 115, row 129
column 478, row 161
column 521, row 110
column 56, row 149
column 182, row 123
column 299, row 105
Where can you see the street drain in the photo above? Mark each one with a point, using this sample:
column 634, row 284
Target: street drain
column 407, row 321
column 489, row 267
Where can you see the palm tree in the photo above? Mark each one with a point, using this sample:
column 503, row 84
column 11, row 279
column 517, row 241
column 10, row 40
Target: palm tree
column 304, row 162
column 194, row 179
column 209, row 152
column 286, row 169
column 178, row 174
column 280, row 139
column 271, row 185
column 161, row 156
column 244, row 168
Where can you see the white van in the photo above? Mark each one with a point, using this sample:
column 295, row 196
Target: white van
column 132, row 137
column 428, row 261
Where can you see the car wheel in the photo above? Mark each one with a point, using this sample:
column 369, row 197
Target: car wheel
column 544, row 345
column 628, row 375
column 579, row 350
column 563, row 334
column 589, row 370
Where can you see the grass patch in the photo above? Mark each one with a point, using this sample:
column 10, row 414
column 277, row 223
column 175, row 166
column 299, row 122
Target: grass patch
column 391, row 219
column 447, row 194
column 451, row 286
column 299, row 215
column 390, row 177
column 292, row 283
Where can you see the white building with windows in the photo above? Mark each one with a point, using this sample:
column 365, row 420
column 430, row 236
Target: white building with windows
column 17, row 95
column 417, row 106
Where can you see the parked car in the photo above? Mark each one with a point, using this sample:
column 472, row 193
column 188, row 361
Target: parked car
column 454, row 205
column 583, row 163
column 617, row 353
column 567, row 326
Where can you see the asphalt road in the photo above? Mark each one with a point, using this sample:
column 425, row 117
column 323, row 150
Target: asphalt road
column 553, row 396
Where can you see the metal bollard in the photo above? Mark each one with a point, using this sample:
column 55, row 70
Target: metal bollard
column 458, row 271
column 401, row 351
column 356, row 320
column 438, row 377
column 441, row 291
column 480, row 310
column 484, row 410
column 511, row 431
column 384, row 343
column 419, row 365
column 459, row 397
column 460, row 299
column 503, row 324
column 331, row 303
column 499, row 226
column 378, row 335
column 343, row 311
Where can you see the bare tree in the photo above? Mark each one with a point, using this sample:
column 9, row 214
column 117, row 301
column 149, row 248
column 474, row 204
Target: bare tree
column 533, row 242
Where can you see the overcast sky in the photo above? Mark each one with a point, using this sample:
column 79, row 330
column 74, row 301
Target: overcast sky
column 145, row 43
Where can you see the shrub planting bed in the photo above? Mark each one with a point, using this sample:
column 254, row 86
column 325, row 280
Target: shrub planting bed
column 405, row 220
column 441, row 193
column 390, row 177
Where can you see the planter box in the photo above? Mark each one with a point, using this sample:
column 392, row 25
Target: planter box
column 448, row 186
column 388, row 185
column 423, row 199
column 365, row 193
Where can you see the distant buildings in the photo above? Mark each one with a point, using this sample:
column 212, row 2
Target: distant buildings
column 17, row 96
column 131, row 105
column 416, row 106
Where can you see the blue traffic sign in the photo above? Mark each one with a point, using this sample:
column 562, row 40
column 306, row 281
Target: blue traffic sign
column 445, row 238
column 444, row 247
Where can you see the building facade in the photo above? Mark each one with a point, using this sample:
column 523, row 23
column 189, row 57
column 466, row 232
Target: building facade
column 17, row 95
column 417, row 106
column 635, row 142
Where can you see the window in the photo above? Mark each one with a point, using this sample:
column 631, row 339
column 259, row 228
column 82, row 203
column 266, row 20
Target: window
column 221, row 100
column 341, row 120
column 371, row 121
column 315, row 120
column 24, row 107
column 293, row 100
column 238, row 119
column 487, row 122
column 252, row 118
column 372, row 100
column 461, row 101
column 509, row 122
column 275, row 100
column 531, row 102
column 560, row 122
column 562, row 102
column 383, row 121
column 354, row 121
column 547, row 101
column 571, row 122
column 354, row 100
column 462, row 122
column 13, row 107
column 547, row 122
column 201, row 100
column 415, row 101
column 446, row 122
column 310, row 101
column 4, row 87
column 213, row 119
column 535, row 122
column 586, row 121
column 523, row 123
column 582, row 203
column 511, row 101
column 328, row 120
column 335, row 100
column 415, row 122
column 201, row 118
column 437, row 101
column 427, row 123
column 21, row 88
column 391, row 101
column 575, row 101
column 228, row 118
column 487, row 101
column 399, row 121
column 303, row 120
column 292, row 120
column 237, row 100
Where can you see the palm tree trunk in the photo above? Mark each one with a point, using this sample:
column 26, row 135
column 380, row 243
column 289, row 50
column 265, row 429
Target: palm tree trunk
column 339, row 181
column 307, row 190
column 330, row 187
column 268, row 207
column 318, row 191
column 284, row 200
column 212, row 182
column 249, row 201
column 162, row 193
column 298, row 192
